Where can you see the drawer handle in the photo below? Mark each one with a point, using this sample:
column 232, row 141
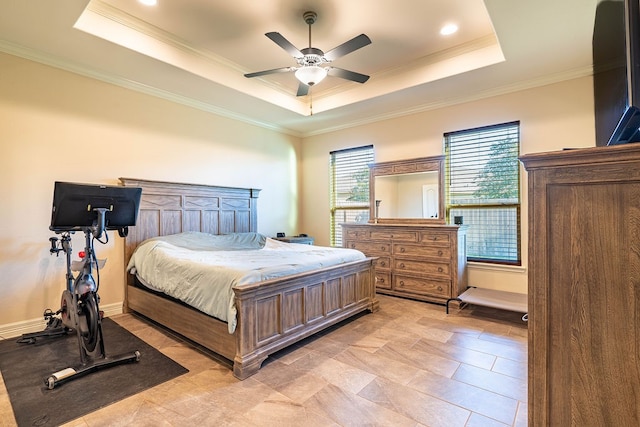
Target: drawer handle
column 440, row 253
column 382, row 248
column 379, row 279
column 440, row 288
column 382, row 263
column 401, row 282
column 440, row 270
column 391, row 237
column 401, row 249
column 353, row 246
column 402, row 265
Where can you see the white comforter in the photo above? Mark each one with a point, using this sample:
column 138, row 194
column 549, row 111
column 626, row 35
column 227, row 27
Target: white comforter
column 201, row 269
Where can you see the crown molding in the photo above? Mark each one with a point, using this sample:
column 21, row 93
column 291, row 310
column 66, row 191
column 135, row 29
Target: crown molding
column 46, row 59
column 139, row 26
column 183, row 55
column 497, row 91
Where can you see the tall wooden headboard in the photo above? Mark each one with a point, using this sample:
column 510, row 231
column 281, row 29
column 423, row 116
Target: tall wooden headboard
column 169, row 208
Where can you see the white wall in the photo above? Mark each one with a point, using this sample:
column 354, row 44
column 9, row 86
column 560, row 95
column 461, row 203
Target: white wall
column 551, row 118
column 55, row 125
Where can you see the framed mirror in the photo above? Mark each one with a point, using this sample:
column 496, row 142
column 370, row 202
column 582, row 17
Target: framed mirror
column 407, row 191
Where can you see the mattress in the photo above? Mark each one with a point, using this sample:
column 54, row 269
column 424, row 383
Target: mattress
column 201, row 269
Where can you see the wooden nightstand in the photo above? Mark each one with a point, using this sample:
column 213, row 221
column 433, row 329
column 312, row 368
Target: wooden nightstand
column 304, row 240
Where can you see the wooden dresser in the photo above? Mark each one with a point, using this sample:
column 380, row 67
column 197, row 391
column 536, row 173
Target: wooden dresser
column 584, row 287
column 423, row 262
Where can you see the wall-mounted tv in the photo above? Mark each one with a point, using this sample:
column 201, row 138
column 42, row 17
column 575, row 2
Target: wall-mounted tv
column 628, row 129
column 616, row 70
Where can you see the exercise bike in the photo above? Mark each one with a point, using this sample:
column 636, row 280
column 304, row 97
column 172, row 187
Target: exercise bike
column 79, row 306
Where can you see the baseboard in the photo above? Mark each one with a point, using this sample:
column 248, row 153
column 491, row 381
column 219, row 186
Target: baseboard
column 112, row 309
column 12, row 330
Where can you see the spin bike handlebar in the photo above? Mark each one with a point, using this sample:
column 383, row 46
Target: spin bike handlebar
column 97, row 229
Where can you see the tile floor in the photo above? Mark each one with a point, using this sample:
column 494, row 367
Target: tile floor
column 408, row 364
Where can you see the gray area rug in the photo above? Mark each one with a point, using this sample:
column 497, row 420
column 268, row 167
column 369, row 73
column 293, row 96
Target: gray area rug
column 25, row 366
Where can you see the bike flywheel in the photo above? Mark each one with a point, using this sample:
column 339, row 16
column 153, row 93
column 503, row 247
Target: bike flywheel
column 90, row 329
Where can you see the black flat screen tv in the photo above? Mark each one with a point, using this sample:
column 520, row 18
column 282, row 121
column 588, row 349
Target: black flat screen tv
column 616, row 70
column 628, row 129
column 74, row 206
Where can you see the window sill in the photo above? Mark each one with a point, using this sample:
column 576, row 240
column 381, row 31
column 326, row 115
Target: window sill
column 497, row 267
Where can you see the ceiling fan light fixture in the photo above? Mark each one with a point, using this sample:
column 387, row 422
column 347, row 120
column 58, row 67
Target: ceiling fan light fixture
column 311, row 75
column 309, row 71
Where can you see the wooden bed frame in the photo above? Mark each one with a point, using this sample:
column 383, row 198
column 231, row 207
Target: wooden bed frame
column 272, row 314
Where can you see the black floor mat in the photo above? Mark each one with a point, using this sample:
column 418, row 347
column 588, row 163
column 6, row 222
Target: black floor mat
column 25, row 366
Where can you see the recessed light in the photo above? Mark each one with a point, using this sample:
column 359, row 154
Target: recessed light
column 149, row 2
column 448, row 29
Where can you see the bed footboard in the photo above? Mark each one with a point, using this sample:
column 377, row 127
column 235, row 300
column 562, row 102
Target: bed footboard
column 275, row 314
column 271, row 315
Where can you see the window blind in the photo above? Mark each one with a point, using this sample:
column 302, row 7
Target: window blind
column 349, row 188
column 483, row 187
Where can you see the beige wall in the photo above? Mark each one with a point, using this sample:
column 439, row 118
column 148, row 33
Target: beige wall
column 551, row 118
column 55, row 125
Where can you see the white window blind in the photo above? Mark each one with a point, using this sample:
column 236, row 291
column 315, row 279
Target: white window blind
column 483, row 190
column 349, row 188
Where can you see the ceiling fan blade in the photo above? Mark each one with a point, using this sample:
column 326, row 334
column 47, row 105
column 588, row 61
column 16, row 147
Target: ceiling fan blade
column 303, row 89
column 347, row 47
column 348, row 75
column 265, row 72
column 285, row 44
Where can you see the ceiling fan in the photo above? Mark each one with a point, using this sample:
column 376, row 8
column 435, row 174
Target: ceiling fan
column 310, row 70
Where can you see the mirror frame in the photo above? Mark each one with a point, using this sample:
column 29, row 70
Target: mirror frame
column 401, row 167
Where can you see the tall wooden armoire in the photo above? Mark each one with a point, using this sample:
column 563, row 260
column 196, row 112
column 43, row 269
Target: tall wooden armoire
column 584, row 287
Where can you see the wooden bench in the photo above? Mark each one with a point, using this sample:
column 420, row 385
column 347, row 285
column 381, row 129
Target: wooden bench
column 494, row 298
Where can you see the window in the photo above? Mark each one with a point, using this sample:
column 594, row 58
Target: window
column 483, row 187
column 349, row 188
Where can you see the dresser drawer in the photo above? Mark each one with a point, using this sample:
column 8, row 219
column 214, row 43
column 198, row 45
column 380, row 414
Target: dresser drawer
column 382, row 263
column 357, row 234
column 405, row 236
column 439, row 288
column 371, row 248
column 383, row 280
column 435, row 238
column 432, row 268
column 435, row 252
